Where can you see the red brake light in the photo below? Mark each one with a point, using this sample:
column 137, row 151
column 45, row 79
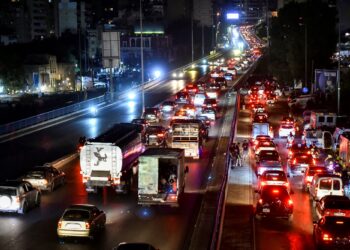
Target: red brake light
column 87, row 225
column 160, row 135
column 326, row 237
column 275, row 191
column 263, row 183
column 295, row 161
column 290, row 202
column 59, row 225
column 260, row 201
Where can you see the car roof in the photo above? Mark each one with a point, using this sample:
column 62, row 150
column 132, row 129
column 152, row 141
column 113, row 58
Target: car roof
column 81, row 206
column 326, row 176
column 329, row 198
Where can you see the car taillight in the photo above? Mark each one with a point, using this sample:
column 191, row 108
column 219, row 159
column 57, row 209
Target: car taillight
column 160, row 135
column 295, row 161
column 286, row 184
column 275, row 191
column 17, row 199
column 85, row 179
column 263, row 183
column 44, row 181
column 59, row 225
column 261, row 201
column 290, row 202
column 326, row 237
column 87, row 225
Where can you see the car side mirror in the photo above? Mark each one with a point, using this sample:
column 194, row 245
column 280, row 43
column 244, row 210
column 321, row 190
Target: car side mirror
column 187, row 170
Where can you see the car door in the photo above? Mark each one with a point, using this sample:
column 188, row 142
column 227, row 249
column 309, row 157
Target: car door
column 336, row 187
column 28, row 193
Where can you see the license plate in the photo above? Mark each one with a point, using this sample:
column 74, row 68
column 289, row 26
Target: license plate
column 266, row 210
column 339, row 214
column 73, row 226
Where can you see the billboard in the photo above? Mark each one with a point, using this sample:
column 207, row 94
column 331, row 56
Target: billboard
column 110, row 49
column 326, row 80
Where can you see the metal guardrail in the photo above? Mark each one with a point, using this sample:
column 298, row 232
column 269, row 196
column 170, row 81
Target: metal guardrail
column 43, row 117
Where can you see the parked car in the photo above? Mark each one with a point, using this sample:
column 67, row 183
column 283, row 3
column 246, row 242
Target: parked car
column 45, row 178
column 18, row 197
column 81, row 220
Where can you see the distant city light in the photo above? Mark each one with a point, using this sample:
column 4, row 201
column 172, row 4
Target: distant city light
column 232, row 16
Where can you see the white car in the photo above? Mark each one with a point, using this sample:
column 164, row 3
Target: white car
column 178, row 75
column 264, row 145
column 273, row 178
column 212, row 94
column 198, row 99
column 210, row 113
column 285, row 130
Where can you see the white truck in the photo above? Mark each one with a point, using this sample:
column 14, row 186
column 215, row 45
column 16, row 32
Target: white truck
column 161, row 177
column 322, row 119
column 109, row 159
column 322, row 139
column 261, row 128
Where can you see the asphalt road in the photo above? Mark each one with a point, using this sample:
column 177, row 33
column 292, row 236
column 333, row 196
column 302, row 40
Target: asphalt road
column 278, row 234
column 165, row 228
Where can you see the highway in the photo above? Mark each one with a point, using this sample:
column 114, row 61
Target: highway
column 165, row 228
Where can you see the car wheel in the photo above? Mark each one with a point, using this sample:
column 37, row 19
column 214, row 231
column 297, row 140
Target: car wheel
column 38, row 200
column 24, row 209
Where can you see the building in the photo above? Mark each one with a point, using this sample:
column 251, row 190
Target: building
column 72, row 15
column 44, row 73
column 203, row 12
column 24, row 21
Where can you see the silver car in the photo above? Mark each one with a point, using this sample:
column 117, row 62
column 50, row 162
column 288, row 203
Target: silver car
column 45, row 178
column 18, row 197
column 81, row 220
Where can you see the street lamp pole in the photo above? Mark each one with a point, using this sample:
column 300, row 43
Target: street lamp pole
column 192, row 36
column 338, row 73
column 142, row 69
column 305, row 34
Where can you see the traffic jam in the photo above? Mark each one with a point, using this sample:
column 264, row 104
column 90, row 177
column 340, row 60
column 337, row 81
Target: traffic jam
column 149, row 155
column 296, row 150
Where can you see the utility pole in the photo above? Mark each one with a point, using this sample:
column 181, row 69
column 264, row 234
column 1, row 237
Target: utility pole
column 142, row 69
column 202, row 40
column 192, row 49
column 338, row 73
column 305, row 41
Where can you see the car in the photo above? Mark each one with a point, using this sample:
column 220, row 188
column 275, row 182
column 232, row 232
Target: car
column 325, row 184
column 152, row 115
column 332, row 232
column 309, row 175
column 191, row 88
column 140, row 121
column 260, row 117
column 18, row 196
column 259, row 108
column 214, row 86
column 210, row 93
column 333, row 205
column 298, row 148
column 274, row 202
column 178, row 74
column 264, row 145
column 45, row 178
column 222, row 82
column 81, row 220
column 204, row 119
column 210, row 113
column 180, row 114
column 273, row 178
column 198, row 99
column 210, row 103
column 134, row 246
column 228, row 76
column 259, row 138
column 156, row 135
column 190, row 110
column 168, row 106
column 298, row 163
column 285, row 130
column 182, row 97
column 268, row 164
column 231, row 70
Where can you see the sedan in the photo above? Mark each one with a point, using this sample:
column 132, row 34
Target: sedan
column 81, row 220
column 45, row 178
column 332, row 232
column 273, row 178
column 333, row 205
column 168, row 106
column 209, row 112
column 18, row 197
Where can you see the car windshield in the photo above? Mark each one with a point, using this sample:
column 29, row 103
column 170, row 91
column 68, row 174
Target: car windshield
column 76, row 214
column 36, row 174
column 154, row 129
column 303, row 159
column 168, row 103
column 8, row 191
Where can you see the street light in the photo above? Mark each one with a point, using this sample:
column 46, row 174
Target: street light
column 142, row 73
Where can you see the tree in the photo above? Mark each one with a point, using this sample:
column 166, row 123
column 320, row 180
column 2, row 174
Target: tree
column 311, row 24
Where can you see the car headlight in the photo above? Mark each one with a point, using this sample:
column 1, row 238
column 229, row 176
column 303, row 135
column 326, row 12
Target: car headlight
column 174, row 75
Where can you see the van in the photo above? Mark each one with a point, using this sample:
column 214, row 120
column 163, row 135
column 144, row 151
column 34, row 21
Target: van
column 325, row 184
column 322, row 119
